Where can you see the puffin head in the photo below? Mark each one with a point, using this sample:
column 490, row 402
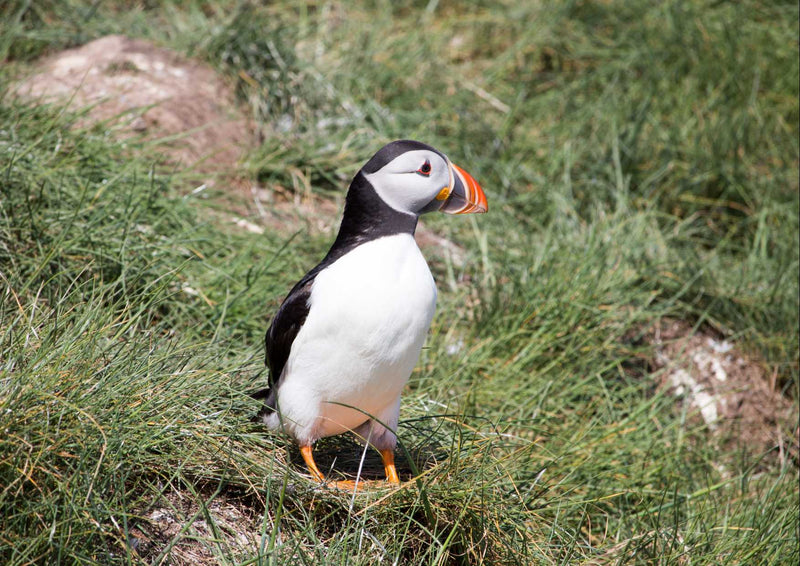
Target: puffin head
column 414, row 178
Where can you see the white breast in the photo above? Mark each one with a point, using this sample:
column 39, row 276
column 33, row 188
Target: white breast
column 369, row 314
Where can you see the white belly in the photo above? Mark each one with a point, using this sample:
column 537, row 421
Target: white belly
column 369, row 315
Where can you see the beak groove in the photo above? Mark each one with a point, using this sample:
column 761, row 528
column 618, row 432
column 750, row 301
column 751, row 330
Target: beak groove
column 466, row 195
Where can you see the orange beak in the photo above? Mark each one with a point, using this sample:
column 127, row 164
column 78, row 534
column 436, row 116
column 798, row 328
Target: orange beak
column 464, row 195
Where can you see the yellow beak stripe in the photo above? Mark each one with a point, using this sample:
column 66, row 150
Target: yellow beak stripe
column 443, row 194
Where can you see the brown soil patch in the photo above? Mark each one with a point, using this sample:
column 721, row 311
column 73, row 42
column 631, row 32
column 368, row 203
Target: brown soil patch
column 732, row 394
column 225, row 526
column 144, row 90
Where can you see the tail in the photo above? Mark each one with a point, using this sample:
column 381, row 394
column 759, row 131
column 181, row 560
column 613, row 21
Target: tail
column 261, row 394
column 269, row 404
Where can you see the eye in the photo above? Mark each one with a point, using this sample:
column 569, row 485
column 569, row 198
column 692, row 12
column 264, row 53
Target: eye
column 425, row 169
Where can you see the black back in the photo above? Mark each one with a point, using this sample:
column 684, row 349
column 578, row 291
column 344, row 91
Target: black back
column 366, row 217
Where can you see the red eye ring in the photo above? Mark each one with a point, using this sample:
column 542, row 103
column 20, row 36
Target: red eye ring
column 425, row 169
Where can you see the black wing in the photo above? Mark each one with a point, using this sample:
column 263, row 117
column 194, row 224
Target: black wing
column 282, row 331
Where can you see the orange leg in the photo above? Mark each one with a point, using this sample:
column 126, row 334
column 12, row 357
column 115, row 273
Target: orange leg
column 308, row 457
column 388, row 465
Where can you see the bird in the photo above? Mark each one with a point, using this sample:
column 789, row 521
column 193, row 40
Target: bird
column 346, row 338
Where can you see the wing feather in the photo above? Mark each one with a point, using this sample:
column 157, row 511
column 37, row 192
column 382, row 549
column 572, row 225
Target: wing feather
column 282, row 332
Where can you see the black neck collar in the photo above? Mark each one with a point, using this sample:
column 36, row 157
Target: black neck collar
column 367, row 217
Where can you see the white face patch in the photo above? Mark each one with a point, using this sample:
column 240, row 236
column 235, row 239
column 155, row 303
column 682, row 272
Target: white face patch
column 412, row 180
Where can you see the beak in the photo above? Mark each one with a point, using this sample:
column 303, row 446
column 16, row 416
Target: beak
column 464, row 195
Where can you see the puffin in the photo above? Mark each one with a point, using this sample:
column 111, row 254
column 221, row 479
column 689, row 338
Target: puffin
column 346, row 338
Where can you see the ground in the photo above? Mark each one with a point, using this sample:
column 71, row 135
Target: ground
column 612, row 372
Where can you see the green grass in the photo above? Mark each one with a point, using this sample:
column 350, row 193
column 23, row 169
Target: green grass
column 641, row 162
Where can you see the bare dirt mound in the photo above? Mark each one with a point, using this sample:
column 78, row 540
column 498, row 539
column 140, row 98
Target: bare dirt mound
column 732, row 394
column 142, row 89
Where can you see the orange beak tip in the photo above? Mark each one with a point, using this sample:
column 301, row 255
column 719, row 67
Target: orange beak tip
column 475, row 195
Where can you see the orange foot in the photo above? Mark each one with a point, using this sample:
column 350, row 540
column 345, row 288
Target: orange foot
column 350, row 485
